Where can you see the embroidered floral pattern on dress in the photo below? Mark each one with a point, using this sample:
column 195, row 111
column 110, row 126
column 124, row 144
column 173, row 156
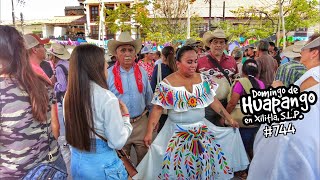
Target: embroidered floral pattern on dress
column 195, row 151
column 192, row 102
column 180, row 99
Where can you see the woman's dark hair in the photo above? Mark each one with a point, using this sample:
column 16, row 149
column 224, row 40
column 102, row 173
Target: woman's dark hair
column 250, row 68
column 158, row 53
column 182, row 50
column 141, row 56
column 168, row 53
column 15, row 63
column 313, row 37
column 177, row 51
column 86, row 64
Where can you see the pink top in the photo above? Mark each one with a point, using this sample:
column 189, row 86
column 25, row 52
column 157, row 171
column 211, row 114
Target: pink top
column 38, row 70
column 148, row 67
column 239, row 89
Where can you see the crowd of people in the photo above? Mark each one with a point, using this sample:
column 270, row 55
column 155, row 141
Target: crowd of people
column 178, row 109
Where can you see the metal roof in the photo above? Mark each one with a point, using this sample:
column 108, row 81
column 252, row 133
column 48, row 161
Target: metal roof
column 67, row 20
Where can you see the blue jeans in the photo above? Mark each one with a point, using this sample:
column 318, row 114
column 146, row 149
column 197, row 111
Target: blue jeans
column 101, row 163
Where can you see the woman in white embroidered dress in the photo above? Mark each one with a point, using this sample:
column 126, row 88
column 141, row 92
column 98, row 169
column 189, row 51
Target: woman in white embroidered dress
column 189, row 146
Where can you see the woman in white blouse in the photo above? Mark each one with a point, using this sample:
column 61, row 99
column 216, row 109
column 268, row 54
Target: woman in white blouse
column 90, row 109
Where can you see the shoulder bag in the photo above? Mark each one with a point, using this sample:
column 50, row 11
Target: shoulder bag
column 224, row 83
column 60, row 95
column 44, row 171
column 132, row 171
column 236, row 113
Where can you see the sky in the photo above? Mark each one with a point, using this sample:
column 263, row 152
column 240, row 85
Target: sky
column 34, row 9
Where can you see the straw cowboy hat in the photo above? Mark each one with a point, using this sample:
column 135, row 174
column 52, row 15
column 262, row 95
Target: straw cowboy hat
column 294, row 50
column 191, row 42
column 59, row 51
column 124, row 39
column 218, row 34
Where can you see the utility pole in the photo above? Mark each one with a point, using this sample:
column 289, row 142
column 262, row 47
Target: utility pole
column 188, row 21
column 102, row 27
column 0, row 11
column 283, row 25
column 209, row 15
column 13, row 19
column 224, row 10
column 22, row 20
column 281, row 22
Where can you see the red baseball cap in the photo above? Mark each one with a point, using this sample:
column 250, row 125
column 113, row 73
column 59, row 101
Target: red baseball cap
column 32, row 40
column 41, row 41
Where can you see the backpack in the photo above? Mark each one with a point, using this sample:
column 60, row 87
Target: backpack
column 60, row 95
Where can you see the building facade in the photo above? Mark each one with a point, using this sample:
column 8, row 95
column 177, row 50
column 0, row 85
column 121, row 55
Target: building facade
column 93, row 8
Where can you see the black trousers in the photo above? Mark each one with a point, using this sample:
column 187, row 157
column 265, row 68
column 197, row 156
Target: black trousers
column 212, row 116
column 162, row 120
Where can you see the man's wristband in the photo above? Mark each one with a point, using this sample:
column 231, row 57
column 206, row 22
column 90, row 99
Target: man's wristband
column 125, row 115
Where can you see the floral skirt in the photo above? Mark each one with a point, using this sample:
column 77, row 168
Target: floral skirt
column 193, row 151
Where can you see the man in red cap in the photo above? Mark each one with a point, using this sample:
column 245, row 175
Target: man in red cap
column 37, row 53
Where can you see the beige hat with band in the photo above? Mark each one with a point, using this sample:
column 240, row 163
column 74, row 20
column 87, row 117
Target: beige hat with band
column 294, row 50
column 59, row 51
column 124, row 39
column 216, row 34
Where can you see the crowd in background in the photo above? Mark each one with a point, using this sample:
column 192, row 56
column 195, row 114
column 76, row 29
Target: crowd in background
column 174, row 106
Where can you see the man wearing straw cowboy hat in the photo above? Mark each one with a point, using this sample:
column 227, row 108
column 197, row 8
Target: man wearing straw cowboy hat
column 59, row 55
column 219, row 68
column 291, row 71
column 130, row 84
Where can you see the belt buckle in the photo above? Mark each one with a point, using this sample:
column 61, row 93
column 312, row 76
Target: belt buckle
column 135, row 119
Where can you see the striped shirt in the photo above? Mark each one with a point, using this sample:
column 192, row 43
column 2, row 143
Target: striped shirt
column 290, row 72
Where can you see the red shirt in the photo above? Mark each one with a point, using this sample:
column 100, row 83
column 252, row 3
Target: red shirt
column 206, row 67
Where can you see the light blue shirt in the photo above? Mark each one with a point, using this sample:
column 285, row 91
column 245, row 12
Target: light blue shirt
column 135, row 101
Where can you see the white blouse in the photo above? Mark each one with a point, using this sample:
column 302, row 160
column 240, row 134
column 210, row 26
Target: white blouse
column 107, row 117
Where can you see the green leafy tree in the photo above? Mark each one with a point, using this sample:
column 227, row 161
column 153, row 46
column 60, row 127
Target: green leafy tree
column 123, row 18
column 166, row 23
column 301, row 13
column 118, row 19
column 170, row 21
column 262, row 22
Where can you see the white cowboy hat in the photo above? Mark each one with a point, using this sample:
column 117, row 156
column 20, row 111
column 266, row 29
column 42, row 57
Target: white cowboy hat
column 294, row 50
column 148, row 49
column 218, row 34
column 59, row 51
column 124, row 39
column 312, row 44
